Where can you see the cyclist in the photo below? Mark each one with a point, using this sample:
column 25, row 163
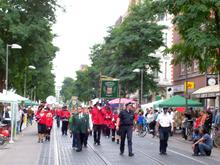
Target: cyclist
column 140, row 121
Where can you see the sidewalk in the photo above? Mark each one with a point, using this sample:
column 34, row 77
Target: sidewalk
column 25, row 150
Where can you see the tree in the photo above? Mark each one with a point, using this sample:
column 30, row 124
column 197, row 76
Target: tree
column 68, row 87
column 28, row 23
column 128, row 47
column 198, row 24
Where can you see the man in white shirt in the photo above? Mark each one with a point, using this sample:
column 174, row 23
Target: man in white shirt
column 164, row 121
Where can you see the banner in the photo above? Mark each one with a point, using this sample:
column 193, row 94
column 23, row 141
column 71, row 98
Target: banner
column 109, row 88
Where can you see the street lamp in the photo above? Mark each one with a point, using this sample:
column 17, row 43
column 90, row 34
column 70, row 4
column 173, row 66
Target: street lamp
column 13, row 46
column 142, row 82
column 25, row 77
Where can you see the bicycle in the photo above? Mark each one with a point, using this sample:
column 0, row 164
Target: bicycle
column 143, row 131
column 215, row 135
column 188, row 130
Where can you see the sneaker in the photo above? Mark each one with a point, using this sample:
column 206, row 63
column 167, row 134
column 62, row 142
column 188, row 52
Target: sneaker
column 121, row 153
column 131, row 154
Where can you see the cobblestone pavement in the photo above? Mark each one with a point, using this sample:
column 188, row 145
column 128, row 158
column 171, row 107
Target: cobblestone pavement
column 26, row 151
column 60, row 152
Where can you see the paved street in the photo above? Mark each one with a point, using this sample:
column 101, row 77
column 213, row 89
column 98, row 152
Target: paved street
column 27, row 151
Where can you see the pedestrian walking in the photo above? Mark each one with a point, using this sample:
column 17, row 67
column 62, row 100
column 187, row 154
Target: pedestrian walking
column 97, row 120
column 89, row 118
column 65, row 115
column 81, row 128
column 107, row 111
column 58, row 116
column 41, row 120
column 49, row 123
column 164, row 122
column 115, row 133
column 125, row 125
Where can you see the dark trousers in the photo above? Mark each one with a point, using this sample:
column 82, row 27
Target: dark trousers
column 126, row 131
column 164, row 135
column 106, row 130
column 113, row 133
column 86, row 139
column 80, row 140
column 48, row 131
column 64, row 127
column 97, row 133
column 152, row 127
column 74, row 144
column 21, row 124
column 58, row 121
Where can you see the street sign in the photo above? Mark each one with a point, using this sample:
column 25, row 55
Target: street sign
column 109, row 88
column 190, row 85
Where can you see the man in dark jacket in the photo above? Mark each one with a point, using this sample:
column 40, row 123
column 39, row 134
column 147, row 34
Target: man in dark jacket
column 80, row 127
column 125, row 126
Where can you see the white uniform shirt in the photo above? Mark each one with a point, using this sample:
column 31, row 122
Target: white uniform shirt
column 164, row 120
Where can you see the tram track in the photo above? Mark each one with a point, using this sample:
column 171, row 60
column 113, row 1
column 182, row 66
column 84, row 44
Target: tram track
column 171, row 149
column 157, row 161
column 99, row 155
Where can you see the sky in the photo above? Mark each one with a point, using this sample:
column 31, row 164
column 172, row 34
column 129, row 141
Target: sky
column 84, row 24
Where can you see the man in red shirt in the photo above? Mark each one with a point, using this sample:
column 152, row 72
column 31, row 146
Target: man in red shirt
column 58, row 116
column 65, row 115
column 97, row 120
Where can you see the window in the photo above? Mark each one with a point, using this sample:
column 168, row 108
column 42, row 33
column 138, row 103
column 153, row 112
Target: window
column 165, row 39
column 196, row 66
column 189, row 68
column 156, row 74
column 165, row 71
column 182, row 69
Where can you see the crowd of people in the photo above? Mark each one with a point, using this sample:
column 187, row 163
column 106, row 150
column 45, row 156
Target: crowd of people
column 100, row 119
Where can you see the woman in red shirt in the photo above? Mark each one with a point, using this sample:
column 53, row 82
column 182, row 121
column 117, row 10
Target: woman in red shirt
column 41, row 120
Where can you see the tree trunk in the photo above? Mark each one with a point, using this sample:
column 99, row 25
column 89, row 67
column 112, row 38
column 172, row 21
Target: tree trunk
column 2, row 81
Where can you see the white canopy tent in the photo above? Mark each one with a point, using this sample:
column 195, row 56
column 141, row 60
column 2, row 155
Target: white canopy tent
column 13, row 99
column 150, row 105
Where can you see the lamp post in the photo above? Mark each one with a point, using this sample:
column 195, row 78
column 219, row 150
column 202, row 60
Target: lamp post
column 141, row 71
column 25, row 77
column 13, row 46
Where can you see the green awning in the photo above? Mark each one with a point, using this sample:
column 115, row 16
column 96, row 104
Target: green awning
column 179, row 101
column 30, row 103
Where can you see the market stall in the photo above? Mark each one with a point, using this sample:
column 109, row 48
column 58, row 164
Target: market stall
column 179, row 101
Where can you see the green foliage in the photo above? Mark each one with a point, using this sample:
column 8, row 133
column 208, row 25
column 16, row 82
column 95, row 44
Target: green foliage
column 198, row 23
column 126, row 47
column 29, row 24
column 85, row 87
column 68, row 88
